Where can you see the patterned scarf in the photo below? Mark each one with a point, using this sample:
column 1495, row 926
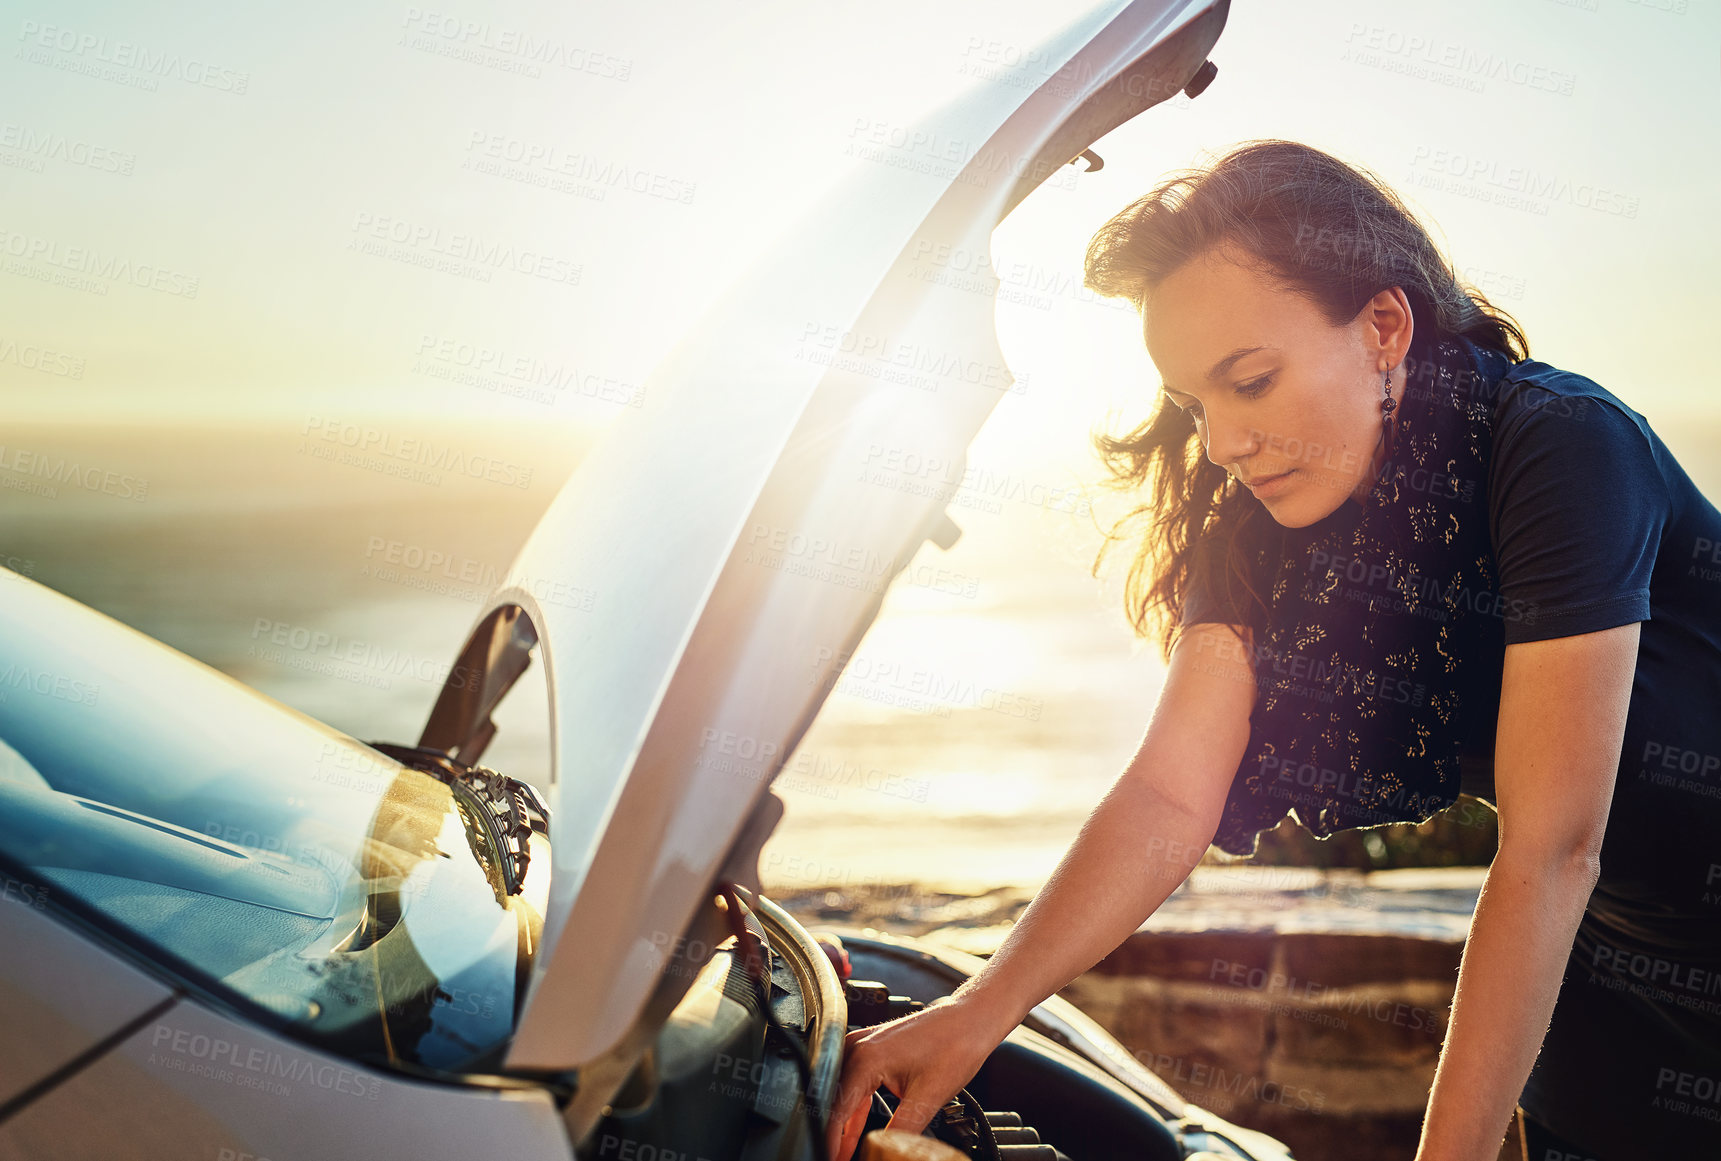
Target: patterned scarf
column 1378, row 616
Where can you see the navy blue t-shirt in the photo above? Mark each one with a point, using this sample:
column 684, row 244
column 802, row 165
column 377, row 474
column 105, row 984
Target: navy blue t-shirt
column 1594, row 524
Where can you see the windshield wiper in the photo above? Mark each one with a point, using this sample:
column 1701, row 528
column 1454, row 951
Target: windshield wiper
column 499, row 813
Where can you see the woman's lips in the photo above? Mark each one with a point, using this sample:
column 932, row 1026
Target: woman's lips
column 1268, row 485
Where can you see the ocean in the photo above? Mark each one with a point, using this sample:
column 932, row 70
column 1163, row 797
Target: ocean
column 978, row 723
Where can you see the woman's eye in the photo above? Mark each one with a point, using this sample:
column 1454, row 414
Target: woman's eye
column 1193, row 410
column 1254, row 386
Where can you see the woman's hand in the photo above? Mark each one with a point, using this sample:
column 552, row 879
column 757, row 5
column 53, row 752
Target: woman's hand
column 1134, row 849
column 924, row 1058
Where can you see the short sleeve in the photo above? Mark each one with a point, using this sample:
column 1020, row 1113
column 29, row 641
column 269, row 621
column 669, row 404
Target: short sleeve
column 1204, row 600
column 1213, row 595
column 1577, row 504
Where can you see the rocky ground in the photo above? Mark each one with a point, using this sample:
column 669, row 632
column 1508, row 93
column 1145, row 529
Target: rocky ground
column 1309, row 1004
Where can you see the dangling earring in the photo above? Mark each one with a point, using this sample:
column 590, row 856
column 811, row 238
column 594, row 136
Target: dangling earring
column 1387, row 403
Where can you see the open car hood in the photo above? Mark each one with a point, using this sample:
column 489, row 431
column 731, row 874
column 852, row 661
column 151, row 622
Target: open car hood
column 695, row 588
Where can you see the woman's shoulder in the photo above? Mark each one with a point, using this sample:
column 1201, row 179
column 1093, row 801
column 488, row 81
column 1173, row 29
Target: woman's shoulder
column 1550, row 425
column 1244, row 535
column 1533, row 390
column 1580, row 494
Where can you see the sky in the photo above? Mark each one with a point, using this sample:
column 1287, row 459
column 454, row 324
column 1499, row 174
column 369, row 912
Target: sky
column 222, row 226
column 245, row 177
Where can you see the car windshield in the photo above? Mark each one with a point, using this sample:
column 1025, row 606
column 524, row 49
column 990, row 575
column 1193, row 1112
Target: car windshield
column 253, row 851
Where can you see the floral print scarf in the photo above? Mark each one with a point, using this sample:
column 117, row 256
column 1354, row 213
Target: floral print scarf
column 1378, row 615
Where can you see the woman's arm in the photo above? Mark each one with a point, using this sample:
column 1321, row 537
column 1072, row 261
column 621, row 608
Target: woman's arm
column 1563, row 706
column 1138, row 844
column 1143, row 838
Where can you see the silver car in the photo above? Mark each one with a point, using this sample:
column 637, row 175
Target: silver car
column 231, row 932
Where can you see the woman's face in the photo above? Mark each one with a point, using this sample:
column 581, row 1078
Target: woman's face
column 1282, row 399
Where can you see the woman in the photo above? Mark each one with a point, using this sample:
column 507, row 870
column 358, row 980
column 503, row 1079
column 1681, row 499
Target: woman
column 1391, row 557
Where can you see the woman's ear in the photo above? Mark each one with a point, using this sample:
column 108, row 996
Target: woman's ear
column 1388, row 325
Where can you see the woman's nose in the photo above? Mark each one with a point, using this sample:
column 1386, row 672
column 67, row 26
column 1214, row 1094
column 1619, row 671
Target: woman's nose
column 1229, row 441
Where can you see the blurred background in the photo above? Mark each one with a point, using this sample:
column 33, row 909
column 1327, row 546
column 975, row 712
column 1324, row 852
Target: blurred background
column 233, row 235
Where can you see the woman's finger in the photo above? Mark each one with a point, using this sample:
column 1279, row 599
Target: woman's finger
column 849, row 1110
column 913, row 1113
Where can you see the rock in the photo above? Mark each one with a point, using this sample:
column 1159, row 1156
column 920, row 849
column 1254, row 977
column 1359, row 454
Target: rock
column 1307, row 1003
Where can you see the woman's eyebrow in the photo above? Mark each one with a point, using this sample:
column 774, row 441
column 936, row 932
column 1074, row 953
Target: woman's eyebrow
column 1223, row 365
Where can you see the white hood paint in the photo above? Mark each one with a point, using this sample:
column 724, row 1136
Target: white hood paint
column 698, row 583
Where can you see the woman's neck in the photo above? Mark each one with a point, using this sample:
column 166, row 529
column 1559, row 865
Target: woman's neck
column 1382, row 451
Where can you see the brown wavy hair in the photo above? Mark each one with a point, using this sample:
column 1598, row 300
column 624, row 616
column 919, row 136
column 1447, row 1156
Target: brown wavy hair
column 1324, row 229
